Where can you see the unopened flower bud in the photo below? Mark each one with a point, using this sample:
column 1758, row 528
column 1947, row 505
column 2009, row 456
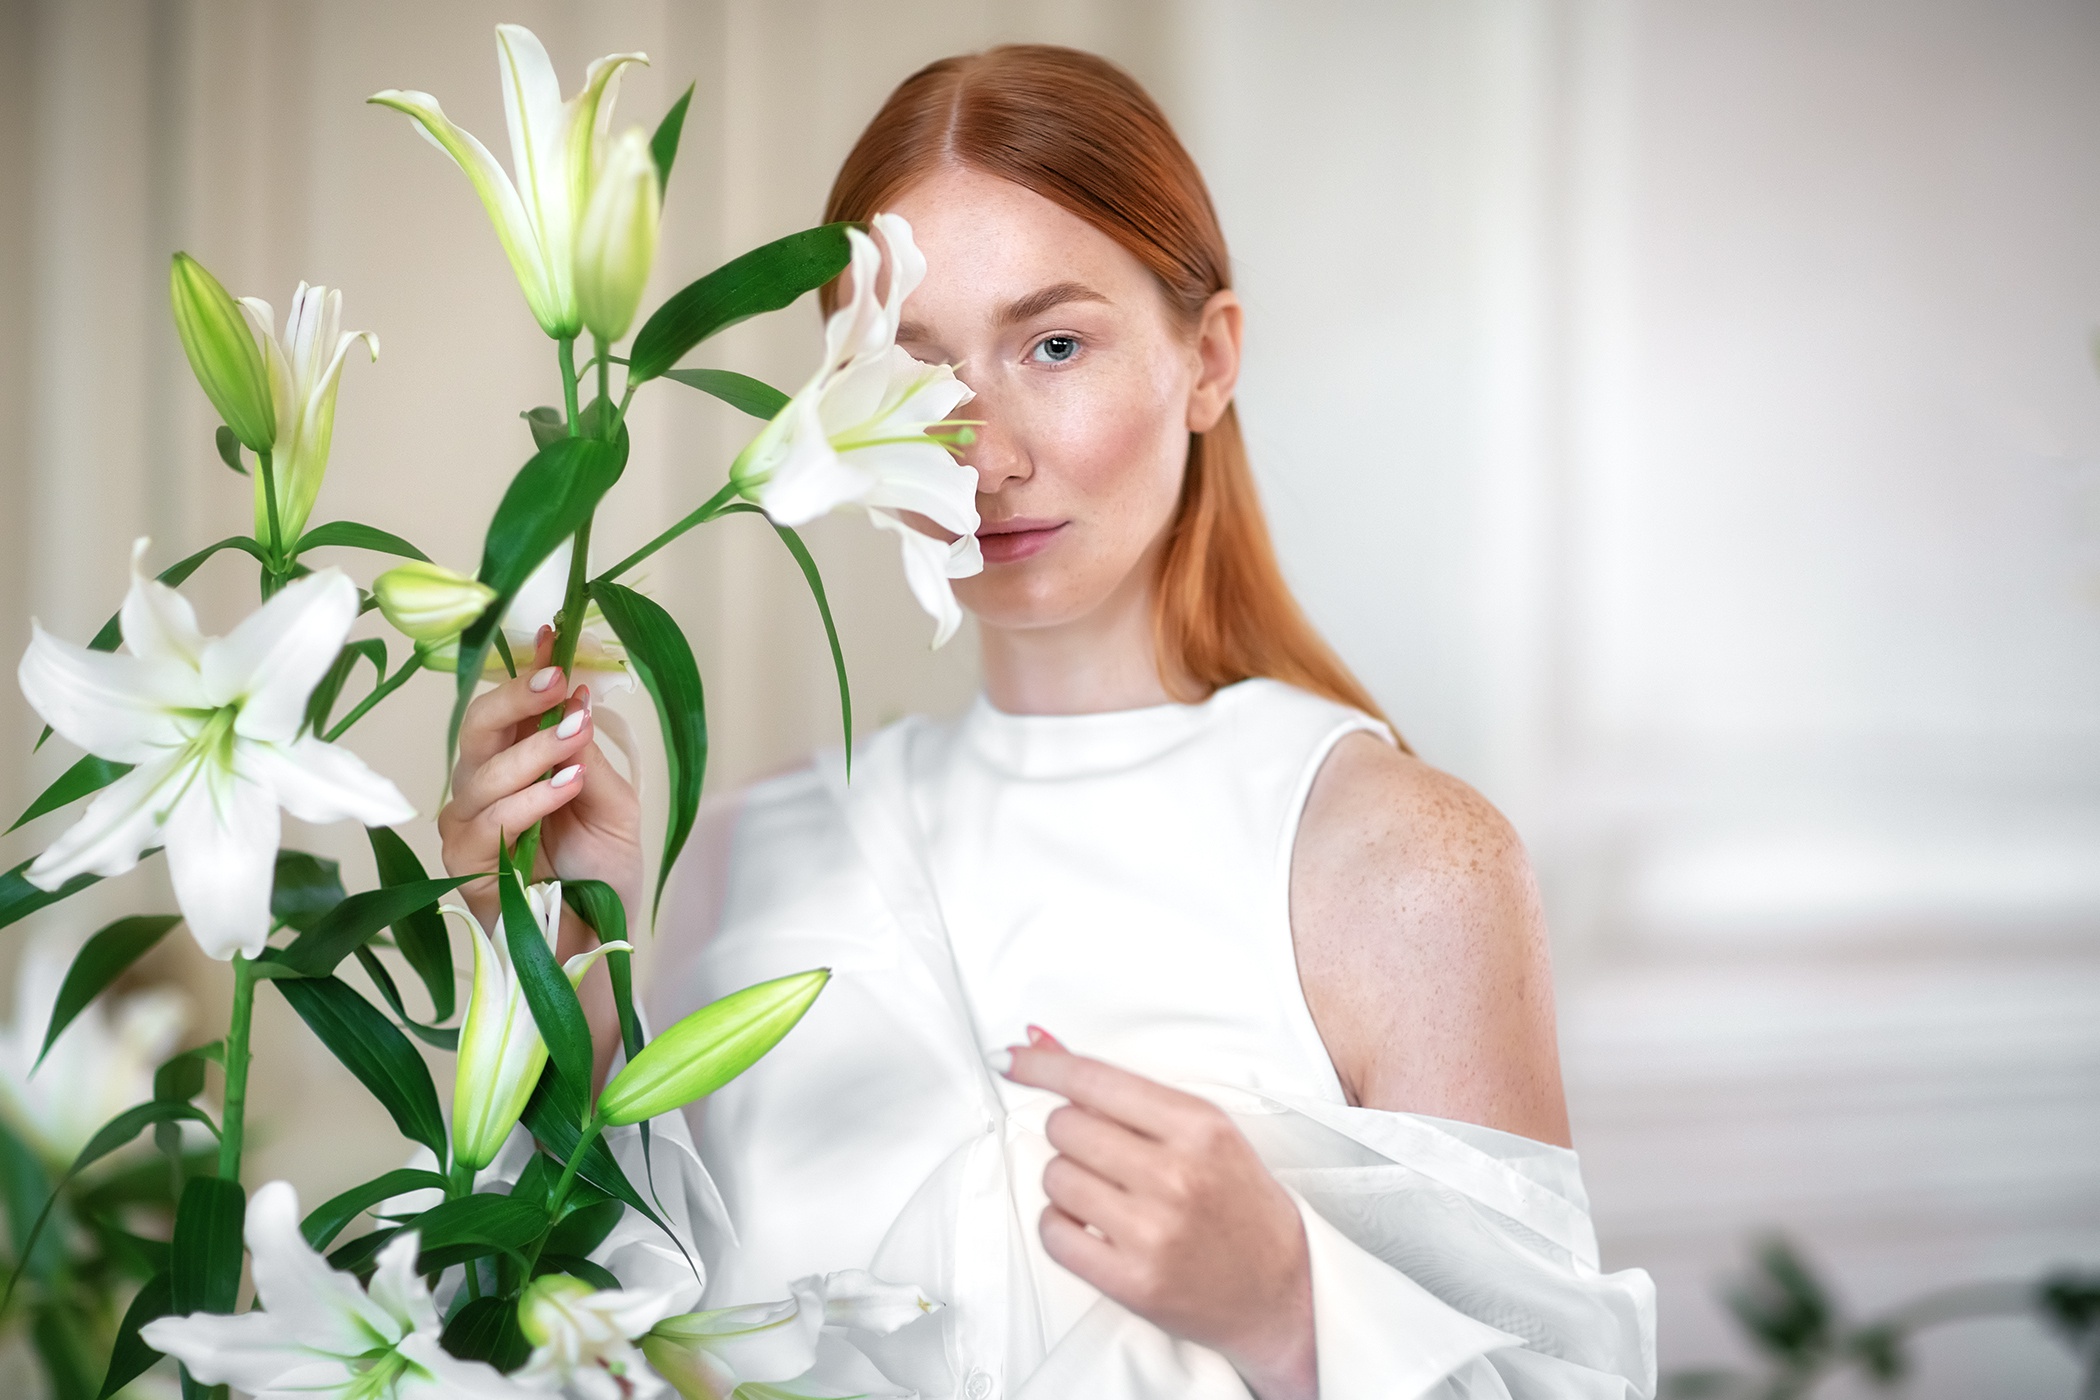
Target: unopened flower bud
column 709, row 1048
column 428, row 602
column 616, row 243
column 223, row 353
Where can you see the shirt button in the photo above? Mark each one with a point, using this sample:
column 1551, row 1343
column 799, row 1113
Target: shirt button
column 977, row 1385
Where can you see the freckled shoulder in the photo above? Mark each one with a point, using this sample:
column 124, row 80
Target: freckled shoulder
column 1422, row 947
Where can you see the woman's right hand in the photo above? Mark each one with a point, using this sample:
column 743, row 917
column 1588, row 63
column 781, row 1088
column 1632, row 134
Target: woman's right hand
column 512, row 773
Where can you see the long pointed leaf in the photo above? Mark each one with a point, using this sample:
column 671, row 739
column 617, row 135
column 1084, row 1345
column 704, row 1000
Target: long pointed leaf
column 90, row 774
column 815, row 580
column 355, row 536
column 442, row 1037
column 131, row 1358
column 663, row 146
column 552, row 495
column 739, row 391
column 101, row 961
column 372, row 1048
column 553, row 1115
column 352, row 923
column 19, row 899
column 764, row 279
column 304, row 888
column 658, row 652
column 206, row 1273
column 329, row 1219
column 486, row 1329
column 474, row 1227
column 555, row 1009
column 599, row 906
column 323, row 698
column 421, row 935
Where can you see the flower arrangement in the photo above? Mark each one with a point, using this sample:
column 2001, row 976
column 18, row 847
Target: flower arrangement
column 517, row 1253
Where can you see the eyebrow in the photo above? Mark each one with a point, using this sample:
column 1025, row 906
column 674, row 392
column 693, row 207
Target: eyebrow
column 1026, row 309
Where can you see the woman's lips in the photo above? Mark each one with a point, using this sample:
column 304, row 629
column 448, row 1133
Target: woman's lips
column 1010, row 541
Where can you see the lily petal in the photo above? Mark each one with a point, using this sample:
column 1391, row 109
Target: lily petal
column 812, row 479
column 926, row 565
column 111, row 705
column 398, row 1290
column 532, row 109
column 439, row 1375
column 122, row 821
column 272, row 661
column 322, row 782
column 222, row 857
column 157, row 622
column 315, row 1305
column 857, row 1298
column 251, row 1351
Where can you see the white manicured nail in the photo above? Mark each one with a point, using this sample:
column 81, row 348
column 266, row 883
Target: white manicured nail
column 567, row 775
column 543, row 679
column 570, row 727
column 1001, row 1061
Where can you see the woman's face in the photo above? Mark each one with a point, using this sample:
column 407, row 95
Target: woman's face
column 1087, row 383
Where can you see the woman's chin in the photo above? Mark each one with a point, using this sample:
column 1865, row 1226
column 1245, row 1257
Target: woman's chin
column 1019, row 598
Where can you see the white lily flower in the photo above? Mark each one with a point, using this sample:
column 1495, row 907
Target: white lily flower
column 102, row 1065
column 554, row 158
column 598, row 652
column 501, row 1053
column 305, row 365
column 214, row 726
column 316, row 1333
column 866, row 430
column 583, row 1338
column 791, row 1349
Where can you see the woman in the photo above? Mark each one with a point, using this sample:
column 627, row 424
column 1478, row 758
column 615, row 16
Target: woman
column 1309, row 1135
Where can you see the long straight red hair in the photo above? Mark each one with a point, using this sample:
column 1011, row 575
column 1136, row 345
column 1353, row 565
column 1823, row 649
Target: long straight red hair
column 1080, row 132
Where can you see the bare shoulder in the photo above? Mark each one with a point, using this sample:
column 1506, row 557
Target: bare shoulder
column 1422, row 947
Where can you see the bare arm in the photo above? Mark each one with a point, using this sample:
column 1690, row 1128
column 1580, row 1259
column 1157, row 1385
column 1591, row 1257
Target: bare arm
column 1422, row 947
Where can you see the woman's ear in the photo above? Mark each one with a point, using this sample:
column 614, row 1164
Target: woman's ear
column 1217, row 360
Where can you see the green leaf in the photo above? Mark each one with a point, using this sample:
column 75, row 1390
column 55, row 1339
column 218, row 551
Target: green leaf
column 815, row 581
column 356, row 1257
column 56, row 1332
column 444, row 1038
column 575, row 1266
column 352, row 923
column 328, row 1219
column 101, row 961
column 131, row 1358
column 27, row 1187
column 658, row 652
column 306, row 887
column 549, row 425
column 553, row 1115
column 230, row 449
column 739, row 391
column 323, row 698
column 1782, row 1304
column 355, row 536
column 90, row 774
column 474, row 1227
column 764, row 279
column 709, row 1048
column 19, row 899
column 555, row 1009
column 549, row 499
column 585, row 1228
column 663, row 146
column 370, row 1047
column 596, row 903
column 421, row 935
column 486, row 1329
column 206, row 1276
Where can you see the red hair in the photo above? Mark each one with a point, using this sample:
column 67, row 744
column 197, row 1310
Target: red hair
column 1080, row 132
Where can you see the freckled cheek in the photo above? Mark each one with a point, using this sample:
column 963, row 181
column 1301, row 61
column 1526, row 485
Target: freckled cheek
column 1110, row 456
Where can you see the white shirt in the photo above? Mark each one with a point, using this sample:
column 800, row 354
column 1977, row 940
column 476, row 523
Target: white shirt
column 1122, row 880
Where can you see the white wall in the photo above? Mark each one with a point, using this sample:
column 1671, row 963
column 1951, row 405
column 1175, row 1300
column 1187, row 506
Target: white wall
column 1682, row 416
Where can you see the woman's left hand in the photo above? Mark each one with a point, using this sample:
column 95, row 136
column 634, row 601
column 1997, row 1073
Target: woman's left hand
column 1158, row 1201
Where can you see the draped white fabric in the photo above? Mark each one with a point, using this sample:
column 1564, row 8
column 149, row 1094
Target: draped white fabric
column 1448, row 1260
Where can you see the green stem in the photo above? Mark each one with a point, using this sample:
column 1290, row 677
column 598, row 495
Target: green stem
column 567, row 353
column 272, row 572
column 707, row 512
column 604, row 371
column 233, row 1120
column 379, row 692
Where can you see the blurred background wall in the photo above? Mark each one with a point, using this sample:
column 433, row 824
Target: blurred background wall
column 1681, row 415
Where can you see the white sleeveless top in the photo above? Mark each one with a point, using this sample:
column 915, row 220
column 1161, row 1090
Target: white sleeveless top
column 1122, row 880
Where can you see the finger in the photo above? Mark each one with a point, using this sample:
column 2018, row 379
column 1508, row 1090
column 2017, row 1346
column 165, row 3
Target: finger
column 1088, row 1255
column 507, row 818
column 1090, row 1199
column 1127, row 1158
column 525, row 762
column 492, row 720
column 1130, row 1099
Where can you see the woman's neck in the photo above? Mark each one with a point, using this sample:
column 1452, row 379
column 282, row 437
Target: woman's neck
column 1106, row 660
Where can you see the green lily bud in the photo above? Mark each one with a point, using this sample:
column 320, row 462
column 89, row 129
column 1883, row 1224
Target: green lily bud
column 616, row 243
column 223, row 353
column 709, row 1048
column 545, row 1303
column 428, row 602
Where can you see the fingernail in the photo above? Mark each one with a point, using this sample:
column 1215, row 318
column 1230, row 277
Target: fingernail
column 1001, row 1061
column 572, row 726
column 1038, row 1036
column 543, row 678
column 567, row 775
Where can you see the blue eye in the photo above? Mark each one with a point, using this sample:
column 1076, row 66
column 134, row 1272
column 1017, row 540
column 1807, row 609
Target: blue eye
column 1056, row 349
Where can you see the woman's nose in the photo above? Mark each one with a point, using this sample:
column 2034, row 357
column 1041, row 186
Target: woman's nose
column 996, row 455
